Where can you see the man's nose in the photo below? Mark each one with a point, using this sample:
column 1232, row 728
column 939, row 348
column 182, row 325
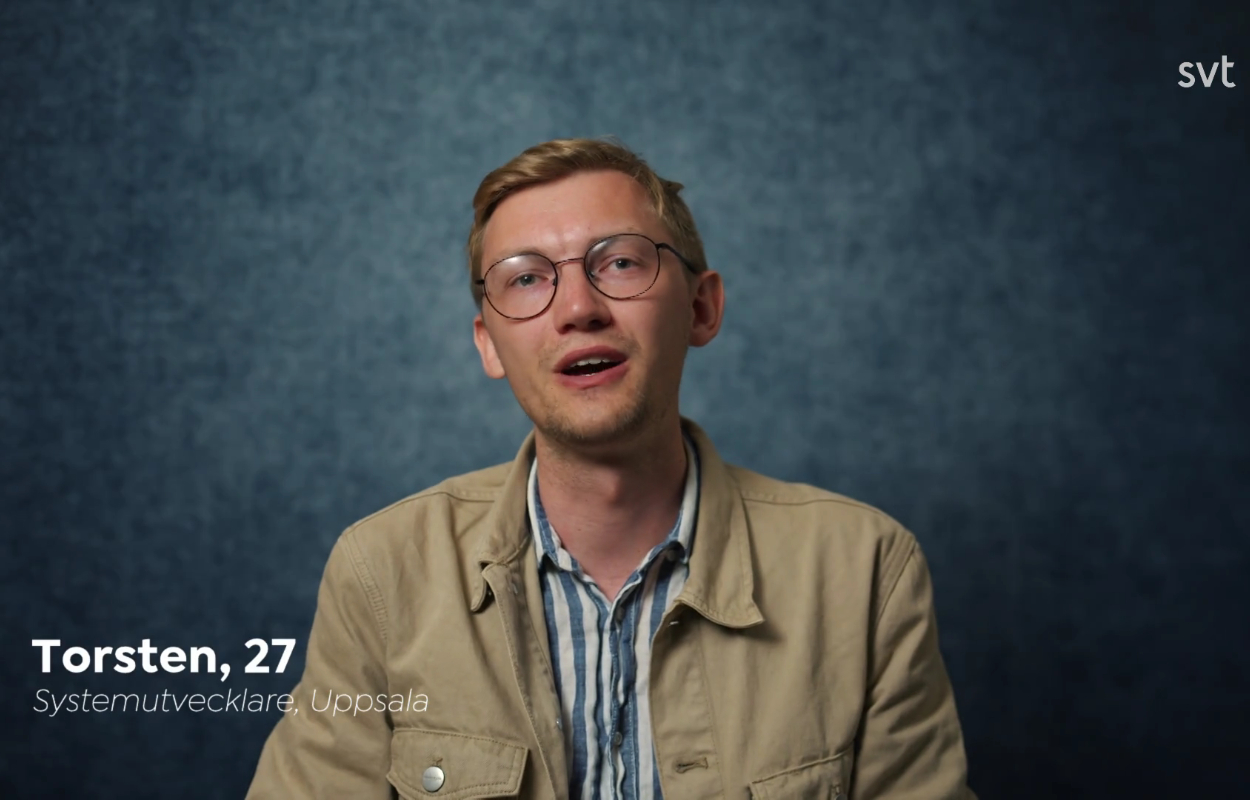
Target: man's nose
column 578, row 304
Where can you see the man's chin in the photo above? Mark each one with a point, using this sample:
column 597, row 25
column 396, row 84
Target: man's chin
column 588, row 430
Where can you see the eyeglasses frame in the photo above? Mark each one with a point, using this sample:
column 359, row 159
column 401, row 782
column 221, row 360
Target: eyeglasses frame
column 555, row 283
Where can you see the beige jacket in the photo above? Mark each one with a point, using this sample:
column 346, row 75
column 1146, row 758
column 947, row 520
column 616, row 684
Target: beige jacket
column 799, row 661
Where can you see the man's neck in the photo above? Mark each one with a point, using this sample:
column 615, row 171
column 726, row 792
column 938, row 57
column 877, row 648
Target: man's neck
column 610, row 512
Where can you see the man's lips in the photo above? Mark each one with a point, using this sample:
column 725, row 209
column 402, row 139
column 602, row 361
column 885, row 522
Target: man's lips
column 604, row 377
column 591, row 366
column 589, row 354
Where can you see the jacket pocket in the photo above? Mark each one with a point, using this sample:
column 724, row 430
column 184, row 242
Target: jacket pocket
column 825, row 779
column 459, row 766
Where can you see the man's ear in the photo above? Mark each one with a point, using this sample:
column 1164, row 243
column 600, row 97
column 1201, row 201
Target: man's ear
column 486, row 348
column 708, row 304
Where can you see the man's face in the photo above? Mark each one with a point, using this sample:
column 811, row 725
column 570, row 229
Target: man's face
column 646, row 336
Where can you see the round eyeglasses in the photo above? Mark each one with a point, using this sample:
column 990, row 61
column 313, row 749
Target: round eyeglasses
column 620, row 267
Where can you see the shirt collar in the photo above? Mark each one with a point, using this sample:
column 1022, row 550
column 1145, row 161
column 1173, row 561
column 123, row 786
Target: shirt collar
column 721, row 582
column 547, row 545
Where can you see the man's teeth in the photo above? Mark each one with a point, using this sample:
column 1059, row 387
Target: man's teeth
column 587, row 362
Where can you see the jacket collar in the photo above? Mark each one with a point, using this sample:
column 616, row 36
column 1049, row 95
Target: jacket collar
column 721, row 583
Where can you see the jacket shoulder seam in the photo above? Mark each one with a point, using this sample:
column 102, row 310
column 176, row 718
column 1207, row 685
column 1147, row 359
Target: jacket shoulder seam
column 772, row 499
column 483, row 496
column 364, row 575
column 898, row 578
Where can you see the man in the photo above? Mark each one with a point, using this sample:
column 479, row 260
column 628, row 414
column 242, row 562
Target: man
column 617, row 613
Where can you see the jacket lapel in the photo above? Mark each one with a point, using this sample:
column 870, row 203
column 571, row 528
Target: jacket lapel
column 721, row 582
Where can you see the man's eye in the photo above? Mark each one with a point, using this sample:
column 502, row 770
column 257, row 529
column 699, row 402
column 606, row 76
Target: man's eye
column 525, row 280
column 618, row 264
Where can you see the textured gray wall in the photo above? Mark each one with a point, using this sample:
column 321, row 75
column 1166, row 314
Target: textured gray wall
column 986, row 267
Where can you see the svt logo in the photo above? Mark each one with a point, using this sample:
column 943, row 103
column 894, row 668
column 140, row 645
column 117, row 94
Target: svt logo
column 1223, row 67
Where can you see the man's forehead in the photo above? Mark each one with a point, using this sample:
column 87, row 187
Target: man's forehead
column 574, row 210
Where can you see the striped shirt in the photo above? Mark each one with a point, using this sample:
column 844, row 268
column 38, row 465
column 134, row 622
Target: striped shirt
column 601, row 651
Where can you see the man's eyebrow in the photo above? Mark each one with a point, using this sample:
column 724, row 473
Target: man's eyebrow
column 526, row 251
column 591, row 242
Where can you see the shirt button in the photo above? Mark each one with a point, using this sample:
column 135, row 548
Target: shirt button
column 432, row 779
column 617, row 738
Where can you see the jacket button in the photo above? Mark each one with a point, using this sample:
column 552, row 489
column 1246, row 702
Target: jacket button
column 432, row 779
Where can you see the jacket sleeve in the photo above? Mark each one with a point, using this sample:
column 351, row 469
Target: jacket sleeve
column 324, row 754
column 910, row 746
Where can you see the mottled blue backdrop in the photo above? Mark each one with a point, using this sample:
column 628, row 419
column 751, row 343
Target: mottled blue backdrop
column 987, row 265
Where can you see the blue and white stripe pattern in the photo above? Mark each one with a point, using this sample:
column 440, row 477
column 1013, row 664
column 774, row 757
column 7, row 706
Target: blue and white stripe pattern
column 601, row 651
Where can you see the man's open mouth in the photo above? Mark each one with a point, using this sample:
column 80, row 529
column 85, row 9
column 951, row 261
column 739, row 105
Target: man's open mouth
column 589, row 366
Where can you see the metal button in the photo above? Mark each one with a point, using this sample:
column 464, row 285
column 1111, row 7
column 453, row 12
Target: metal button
column 617, row 738
column 672, row 555
column 512, row 586
column 432, row 779
column 559, row 724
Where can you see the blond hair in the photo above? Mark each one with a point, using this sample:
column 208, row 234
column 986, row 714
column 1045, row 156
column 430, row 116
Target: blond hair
column 559, row 158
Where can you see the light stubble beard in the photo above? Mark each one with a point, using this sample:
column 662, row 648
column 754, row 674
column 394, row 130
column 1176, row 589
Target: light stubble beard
column 559, row 425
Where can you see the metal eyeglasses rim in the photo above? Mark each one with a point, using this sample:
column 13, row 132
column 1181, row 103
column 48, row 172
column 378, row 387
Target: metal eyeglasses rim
column 555, row 283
